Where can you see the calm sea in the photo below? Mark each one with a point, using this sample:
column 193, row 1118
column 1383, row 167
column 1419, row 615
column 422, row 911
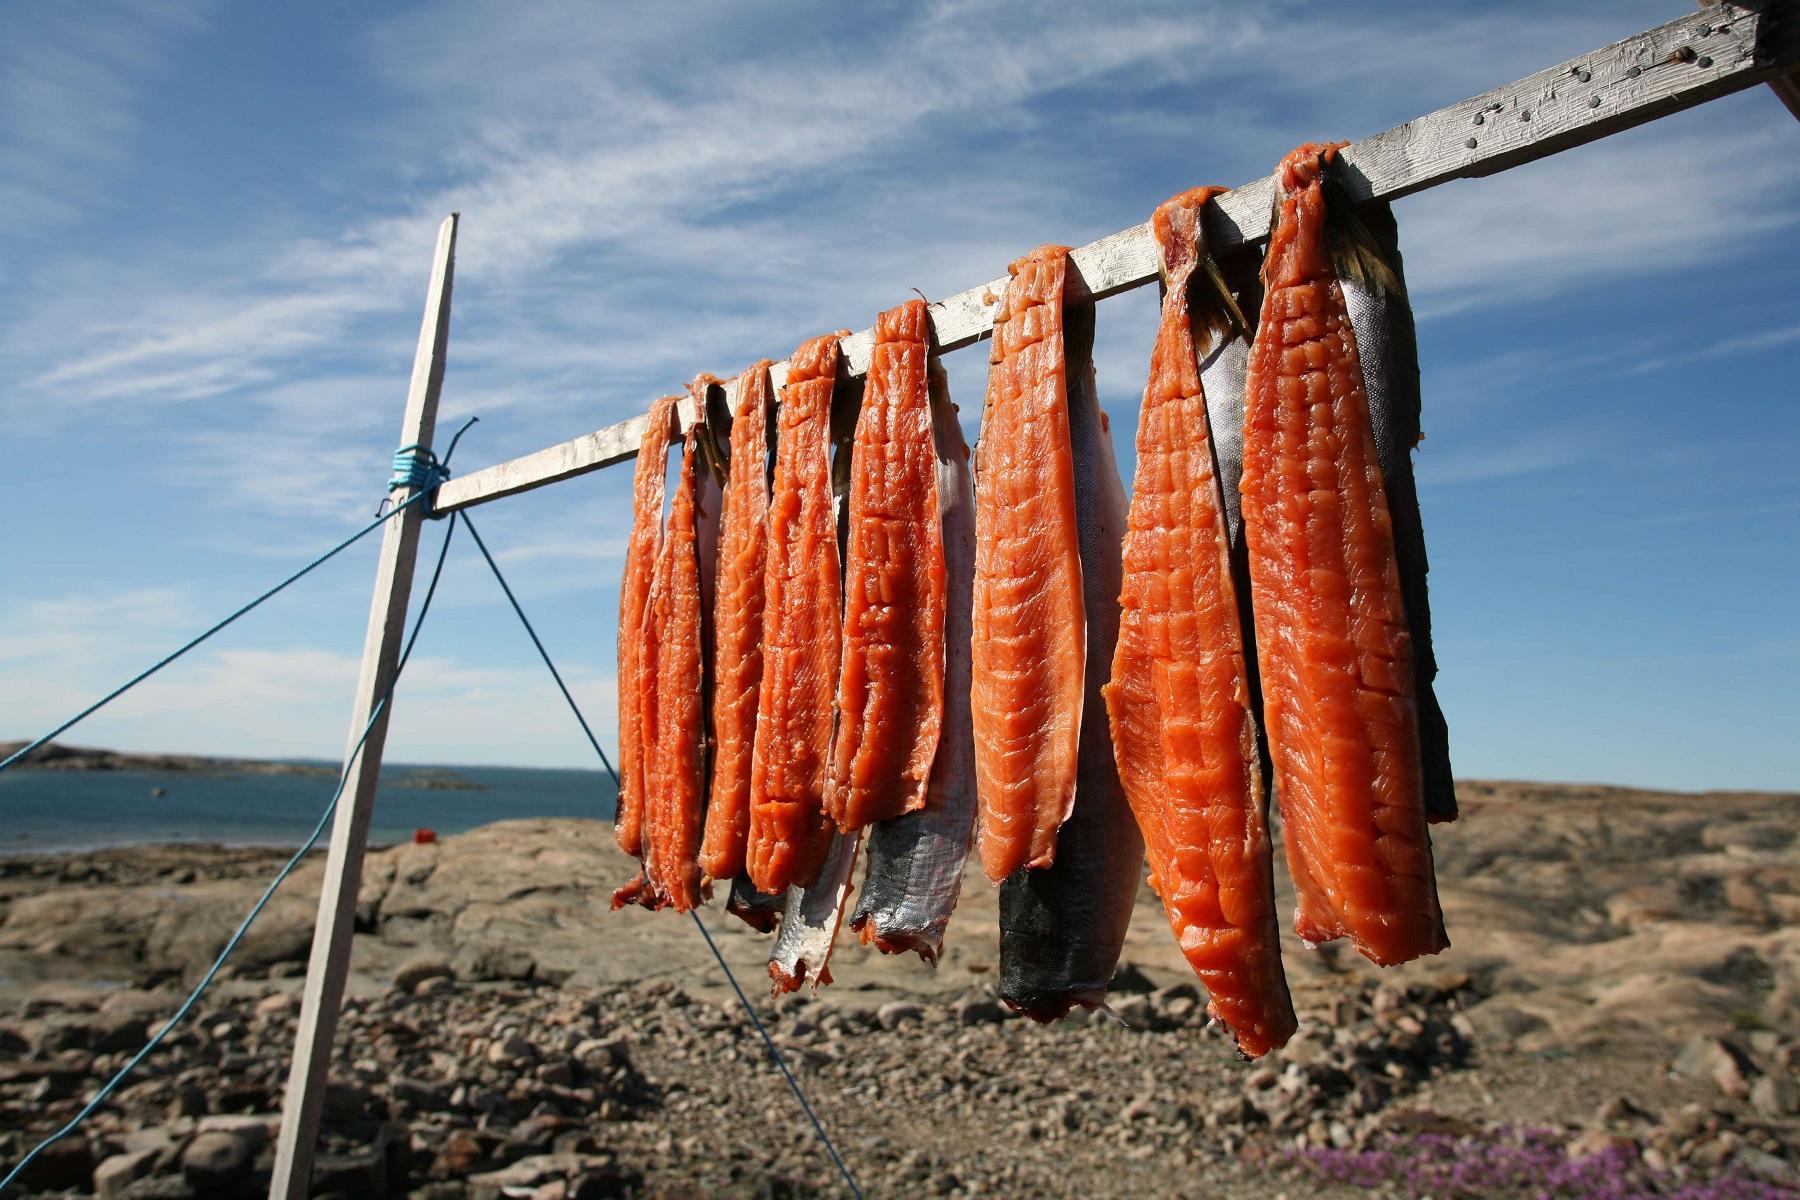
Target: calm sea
column 42, row 811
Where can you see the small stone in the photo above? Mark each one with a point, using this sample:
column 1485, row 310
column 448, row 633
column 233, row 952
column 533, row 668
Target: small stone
column 189, row 1101
column 117, row 1173
column 215, row 1162
column 980, row 1012
column 560, row 1073
column 1729, row 1072
column 511, row 1051
column 615, row 1050
column 409, row 975
column 277, row 1004
column 1595, row 1142
column 459, row 1154
column 255, row 1128
column 896, row 1012
column 1775, row 1096
column 1686, row 1122
column 1620, row 1110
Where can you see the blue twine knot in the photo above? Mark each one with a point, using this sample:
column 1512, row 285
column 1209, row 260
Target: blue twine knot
column 417, row 468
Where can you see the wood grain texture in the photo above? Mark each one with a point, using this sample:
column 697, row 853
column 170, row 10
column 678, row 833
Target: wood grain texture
column 1712, row 52
column 329, row 966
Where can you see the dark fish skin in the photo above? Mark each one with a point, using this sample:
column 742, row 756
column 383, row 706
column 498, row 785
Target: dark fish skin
column 759, row 910
column 1388, row 344
column 1062, row 926
column 915, row 861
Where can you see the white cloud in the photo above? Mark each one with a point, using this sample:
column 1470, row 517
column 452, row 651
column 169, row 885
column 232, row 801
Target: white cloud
column 281, row 702
column 72, row 82
column 1688, row 195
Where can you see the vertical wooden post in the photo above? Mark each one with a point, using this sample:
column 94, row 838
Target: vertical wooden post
column 330, row 963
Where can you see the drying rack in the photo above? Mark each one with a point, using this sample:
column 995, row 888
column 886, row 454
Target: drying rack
column 1716, row 51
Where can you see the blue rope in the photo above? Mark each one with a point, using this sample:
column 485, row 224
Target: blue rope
column 774, row 1053
column 164, row 661
column 413, row 455
column 769, row 1042
column 542, row 653
column 262, row 901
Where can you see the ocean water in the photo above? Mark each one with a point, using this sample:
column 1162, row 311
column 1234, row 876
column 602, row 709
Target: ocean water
column 46, row 811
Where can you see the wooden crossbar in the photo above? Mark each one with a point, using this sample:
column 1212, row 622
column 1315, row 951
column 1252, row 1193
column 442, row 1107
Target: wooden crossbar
column 1695, row 58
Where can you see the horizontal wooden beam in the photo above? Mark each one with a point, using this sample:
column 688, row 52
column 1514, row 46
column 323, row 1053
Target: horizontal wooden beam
column 1722, row 49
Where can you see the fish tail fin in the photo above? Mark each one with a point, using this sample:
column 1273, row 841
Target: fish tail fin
column 1356, row 253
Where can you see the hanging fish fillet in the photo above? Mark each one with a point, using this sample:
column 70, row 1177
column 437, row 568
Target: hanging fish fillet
column 1182, row 724
column 634, row 593
column 1385, row 341
column 1338, row 676
column 802, row 620
column 737, row 627
column 1062, row 926
column 915, row 861
column 810, row 920
column 890, row 692
column 1029, row 647
column 676, row 795
column 813, row 912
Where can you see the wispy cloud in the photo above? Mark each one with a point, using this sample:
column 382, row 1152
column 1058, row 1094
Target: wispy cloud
column 1541, row 450
column 71, row 86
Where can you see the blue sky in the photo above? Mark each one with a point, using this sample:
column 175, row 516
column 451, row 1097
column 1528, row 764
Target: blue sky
column 218, row 225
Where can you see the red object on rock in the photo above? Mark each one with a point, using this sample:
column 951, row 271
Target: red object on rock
column 424, row 837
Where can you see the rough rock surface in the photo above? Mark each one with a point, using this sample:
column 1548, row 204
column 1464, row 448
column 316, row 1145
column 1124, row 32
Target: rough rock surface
column 1623, row 976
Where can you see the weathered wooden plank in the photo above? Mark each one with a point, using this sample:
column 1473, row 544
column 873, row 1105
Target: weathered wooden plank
column 329, row 966
column 1688, row 61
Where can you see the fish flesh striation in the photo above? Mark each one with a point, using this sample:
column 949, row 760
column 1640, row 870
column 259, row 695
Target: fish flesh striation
column 890, row 691
column 915, row 861
column 1388, row 346
column 1183, row 725
column 1062, row 926
column 675, row 796
column 737, row 661
column 790, row 832
column 1332, row 637
column 1029, row 649
column 641, row 548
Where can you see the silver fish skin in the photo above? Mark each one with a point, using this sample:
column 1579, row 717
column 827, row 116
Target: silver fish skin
column 1389, row 348
column 809, row 923
column 1224, row 368
column 915, row 861
column 1062, row 926
column 812, row 914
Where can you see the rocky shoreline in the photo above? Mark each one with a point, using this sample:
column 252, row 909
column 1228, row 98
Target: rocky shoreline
column 507, row 1036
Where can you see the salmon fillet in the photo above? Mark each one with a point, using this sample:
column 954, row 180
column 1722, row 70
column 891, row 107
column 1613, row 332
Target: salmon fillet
column 1387, row 343
column 890, row 694
column 676, row 793
column 634, row 594
column 802, row 622
column 915, row 861
column 737, row 627
column 1332, row 638
column 1029, row 642
column 1182, row 724
column 1062, row 926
